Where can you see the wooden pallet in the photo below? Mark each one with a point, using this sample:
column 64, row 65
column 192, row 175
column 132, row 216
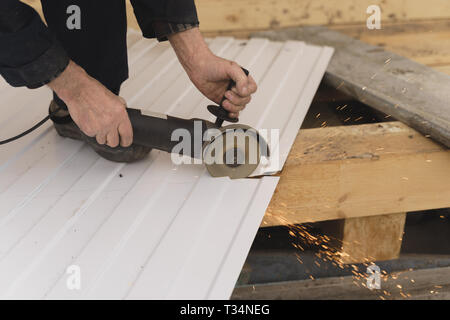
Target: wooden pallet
column 369, row 175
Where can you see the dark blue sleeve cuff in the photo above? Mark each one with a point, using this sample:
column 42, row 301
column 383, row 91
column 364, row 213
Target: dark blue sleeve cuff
column 164, row 29
column 158, row 19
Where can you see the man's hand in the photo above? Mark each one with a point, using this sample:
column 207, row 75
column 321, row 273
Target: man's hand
column 97, row 111
column 211, row 74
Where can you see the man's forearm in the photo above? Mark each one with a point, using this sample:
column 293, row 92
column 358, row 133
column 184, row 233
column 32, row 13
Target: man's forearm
column 69, row 84
column 190, row 48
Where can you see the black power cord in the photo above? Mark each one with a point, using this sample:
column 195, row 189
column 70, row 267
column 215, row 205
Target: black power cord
column 40, row 123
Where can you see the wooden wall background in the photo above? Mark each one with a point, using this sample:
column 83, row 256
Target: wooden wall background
column 417, row 29
column 239, row 15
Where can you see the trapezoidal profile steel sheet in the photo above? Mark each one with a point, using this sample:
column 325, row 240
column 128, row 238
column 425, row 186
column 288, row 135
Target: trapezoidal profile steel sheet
column 152, row 229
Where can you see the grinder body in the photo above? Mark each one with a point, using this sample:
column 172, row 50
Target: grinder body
column 155, row 131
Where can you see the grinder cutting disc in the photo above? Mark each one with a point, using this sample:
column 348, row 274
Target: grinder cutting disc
column 234, row 152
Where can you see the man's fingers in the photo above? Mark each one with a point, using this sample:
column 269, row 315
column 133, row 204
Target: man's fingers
column 236, row 99
column 112, row 139
column 239, row 77
column 235, row 103
column 230, row 107
column 101, row 139
column 126, row 134
column 252, row 86
column 245, row 85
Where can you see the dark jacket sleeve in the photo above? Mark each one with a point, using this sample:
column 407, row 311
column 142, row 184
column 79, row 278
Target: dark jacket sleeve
column 159, row 18
column 29, row 54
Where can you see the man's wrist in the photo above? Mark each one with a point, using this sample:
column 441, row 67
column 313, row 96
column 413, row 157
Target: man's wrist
column 67, row 85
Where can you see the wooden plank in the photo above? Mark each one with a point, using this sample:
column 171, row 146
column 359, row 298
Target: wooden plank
column 220, row 15
column 397, row 86
column 358, row 171
column 433, row 49
column 427, row 284
column 374, row 238
column 397, row 35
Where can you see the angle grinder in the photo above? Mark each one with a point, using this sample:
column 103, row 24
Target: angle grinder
column 227, row 151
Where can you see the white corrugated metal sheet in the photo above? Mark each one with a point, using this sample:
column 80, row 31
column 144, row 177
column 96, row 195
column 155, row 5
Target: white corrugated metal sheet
column 149, row 229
